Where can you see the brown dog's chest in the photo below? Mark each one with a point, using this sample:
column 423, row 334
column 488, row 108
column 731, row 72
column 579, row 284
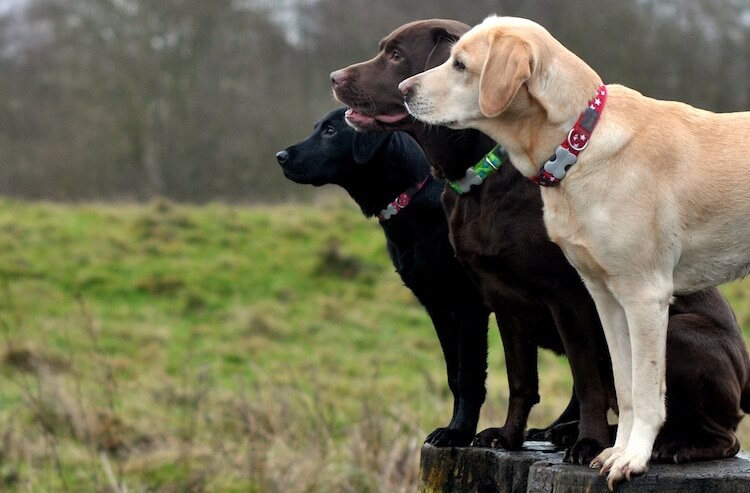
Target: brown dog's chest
column 503, row 241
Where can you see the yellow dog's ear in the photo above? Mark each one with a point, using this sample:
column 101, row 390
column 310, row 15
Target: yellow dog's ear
column 506, row 68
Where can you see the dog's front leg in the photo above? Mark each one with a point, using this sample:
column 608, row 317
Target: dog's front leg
column 647, row 310
column 584, row 347
column 463, row 339
column 615, row 328
column 523, row 380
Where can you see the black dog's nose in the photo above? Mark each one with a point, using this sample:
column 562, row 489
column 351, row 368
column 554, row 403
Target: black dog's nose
column 282, row 156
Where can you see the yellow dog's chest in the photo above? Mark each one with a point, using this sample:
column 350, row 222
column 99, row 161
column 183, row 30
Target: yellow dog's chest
column 566, row 231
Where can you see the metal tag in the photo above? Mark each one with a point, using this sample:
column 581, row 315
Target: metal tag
column 558, row 164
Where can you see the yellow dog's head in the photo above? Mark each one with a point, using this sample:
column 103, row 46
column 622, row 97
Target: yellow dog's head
column 504, row 66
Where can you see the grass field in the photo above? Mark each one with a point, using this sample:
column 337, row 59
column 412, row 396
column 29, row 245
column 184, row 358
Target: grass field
column 188, row 349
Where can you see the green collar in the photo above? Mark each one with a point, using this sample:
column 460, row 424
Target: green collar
column 477, row 173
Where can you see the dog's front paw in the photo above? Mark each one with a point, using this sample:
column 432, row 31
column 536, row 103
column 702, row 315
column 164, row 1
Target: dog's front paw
column 498, row 438
column 560, row 435
column 624, row 465
column 564, row 434
column 449, row 437
column 583, row 451
column 538, row 434
column 603, row 457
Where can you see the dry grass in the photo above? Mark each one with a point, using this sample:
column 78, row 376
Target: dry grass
column 175, row 349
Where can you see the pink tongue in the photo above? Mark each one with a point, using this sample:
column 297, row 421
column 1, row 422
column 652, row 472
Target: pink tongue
column 361, row 118
column 358, row 117
column 390, row 118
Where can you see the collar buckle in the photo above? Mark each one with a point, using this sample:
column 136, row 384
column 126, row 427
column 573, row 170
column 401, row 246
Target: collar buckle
column 402, row 200
column 566, row 154
column 476, row 175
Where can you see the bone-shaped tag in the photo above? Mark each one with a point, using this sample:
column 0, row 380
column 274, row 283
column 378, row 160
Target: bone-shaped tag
column 464, row 184
column 388, row 212
column 558, row 164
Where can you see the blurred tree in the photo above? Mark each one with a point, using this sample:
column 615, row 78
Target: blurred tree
column 143, row 98
column 188, row 99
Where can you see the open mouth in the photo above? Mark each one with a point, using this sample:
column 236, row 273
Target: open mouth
column 361, row 120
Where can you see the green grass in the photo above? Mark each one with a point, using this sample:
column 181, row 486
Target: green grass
column 255, row 349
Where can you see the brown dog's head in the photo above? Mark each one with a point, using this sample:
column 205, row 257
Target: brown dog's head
column 370, row 88
column 504, row 66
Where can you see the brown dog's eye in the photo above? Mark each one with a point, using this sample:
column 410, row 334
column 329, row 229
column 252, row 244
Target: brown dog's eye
column 458, row 65
column 396, row 56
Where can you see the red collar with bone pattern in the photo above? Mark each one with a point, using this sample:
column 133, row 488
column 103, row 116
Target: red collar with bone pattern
column 566, row 154
column 402, row 200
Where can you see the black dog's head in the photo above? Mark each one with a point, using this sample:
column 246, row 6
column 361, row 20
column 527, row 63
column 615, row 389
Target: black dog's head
column 334, row 153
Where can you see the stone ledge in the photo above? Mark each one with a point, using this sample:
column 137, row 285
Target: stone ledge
column 539, row 469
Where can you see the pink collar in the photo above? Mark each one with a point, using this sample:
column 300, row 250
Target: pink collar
column 566, row 154
column 401, row 201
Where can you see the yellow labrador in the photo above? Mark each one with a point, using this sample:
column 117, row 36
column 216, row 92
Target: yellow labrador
column 657, row 203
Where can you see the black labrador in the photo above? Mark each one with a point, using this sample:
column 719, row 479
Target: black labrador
column 388, row 175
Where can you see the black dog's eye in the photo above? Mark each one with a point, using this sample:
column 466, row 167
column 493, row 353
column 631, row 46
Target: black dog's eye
column 458, row 65
column 329, row 131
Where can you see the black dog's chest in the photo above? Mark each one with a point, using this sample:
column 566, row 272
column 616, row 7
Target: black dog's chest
column 415, row 252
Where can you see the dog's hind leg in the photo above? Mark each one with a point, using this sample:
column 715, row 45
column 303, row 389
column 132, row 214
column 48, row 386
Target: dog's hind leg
column 703, row 407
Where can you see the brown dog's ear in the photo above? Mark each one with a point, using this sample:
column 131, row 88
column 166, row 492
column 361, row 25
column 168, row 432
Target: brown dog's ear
column 443, row 37
column 506, row 68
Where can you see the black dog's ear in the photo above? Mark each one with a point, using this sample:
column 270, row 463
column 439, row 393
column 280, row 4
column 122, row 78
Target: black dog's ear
column 444, row 39
column 366, row 144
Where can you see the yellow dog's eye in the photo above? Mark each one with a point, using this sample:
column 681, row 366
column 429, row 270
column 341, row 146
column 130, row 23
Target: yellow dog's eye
column 458, row 65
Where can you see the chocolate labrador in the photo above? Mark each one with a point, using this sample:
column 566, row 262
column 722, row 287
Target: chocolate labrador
column 496, row 228
column 388, row 176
